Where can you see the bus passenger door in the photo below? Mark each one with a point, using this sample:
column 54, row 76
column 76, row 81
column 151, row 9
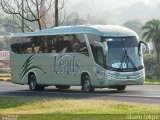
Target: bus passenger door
column 99, row 58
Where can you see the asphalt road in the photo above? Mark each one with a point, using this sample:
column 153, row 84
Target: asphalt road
column 136, row 94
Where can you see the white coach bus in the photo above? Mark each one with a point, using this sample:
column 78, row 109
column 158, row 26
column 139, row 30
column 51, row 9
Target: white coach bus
column 98, row 56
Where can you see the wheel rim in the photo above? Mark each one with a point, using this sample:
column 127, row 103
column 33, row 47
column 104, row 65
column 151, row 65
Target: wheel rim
column 32, row 83
column 86, row 85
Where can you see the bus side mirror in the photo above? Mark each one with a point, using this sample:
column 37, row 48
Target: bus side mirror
column 103, row 47
column 147, row 47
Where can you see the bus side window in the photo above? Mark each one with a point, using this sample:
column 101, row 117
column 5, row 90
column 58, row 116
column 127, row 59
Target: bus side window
column 61, row 43
column 35, row 45
column 17, row 45
column 100, row 56
column 67, row 43
column 44, row 46
column 79, row 44
column 52, row 40
column 97, row 50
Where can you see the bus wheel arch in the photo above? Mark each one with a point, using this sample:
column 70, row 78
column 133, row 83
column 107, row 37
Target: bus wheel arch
column 86, row 83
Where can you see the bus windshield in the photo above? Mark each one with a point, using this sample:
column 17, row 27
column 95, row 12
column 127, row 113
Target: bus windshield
column 123, row 53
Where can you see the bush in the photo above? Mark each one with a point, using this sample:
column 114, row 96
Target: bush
column 152, row 68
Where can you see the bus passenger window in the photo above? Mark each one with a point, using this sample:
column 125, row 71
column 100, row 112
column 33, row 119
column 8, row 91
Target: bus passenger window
column 83, row 49
column 45, row 47
column 52, row 40
column 29, row 50
column 79, row 44
column 36, row 49
column 59, row 44
column 62, row 42
column 75, row 47
column 67, row 43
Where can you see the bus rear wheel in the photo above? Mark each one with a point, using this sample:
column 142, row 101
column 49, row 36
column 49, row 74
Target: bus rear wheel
column 62, row 87
column 33, row 86
column 86, row 84
column 120, row 88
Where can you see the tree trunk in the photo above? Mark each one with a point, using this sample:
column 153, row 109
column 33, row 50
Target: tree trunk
column 22, row 27
column 39, row 24
column 56, row 13
column 42, row 11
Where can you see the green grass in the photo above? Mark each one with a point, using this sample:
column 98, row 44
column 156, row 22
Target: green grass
column 152, row 82
column 71, row 109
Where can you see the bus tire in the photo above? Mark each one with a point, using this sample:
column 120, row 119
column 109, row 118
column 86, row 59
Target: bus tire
column 33, row 86
column 86, row 84
column 121, row 88
column 61, row 87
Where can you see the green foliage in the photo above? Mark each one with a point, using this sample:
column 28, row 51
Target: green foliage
column 152, row 30
column 152, row 33
column 152, row 67
column 152, row 82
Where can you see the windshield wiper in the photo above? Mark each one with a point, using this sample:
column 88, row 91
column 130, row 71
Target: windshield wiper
column 126, row 58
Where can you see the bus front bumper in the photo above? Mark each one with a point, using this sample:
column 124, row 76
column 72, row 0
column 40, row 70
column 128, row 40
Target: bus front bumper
column 125, row 80
column 112, row 78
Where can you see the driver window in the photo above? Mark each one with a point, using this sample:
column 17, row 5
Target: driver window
column 100, row 57
column 97, row 50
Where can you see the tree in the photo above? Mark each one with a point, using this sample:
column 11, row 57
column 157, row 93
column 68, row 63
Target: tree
column 56, row 13
column 29, row 15
column 152, row 33
column 71, row 19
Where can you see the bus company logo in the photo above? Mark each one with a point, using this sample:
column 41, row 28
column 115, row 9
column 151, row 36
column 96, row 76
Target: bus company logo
column 66, row 63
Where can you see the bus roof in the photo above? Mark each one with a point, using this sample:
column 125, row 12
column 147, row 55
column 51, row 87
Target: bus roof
column 101, row 30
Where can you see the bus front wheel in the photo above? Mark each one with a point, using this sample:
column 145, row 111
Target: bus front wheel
column 86, row 84
column 33, row 86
